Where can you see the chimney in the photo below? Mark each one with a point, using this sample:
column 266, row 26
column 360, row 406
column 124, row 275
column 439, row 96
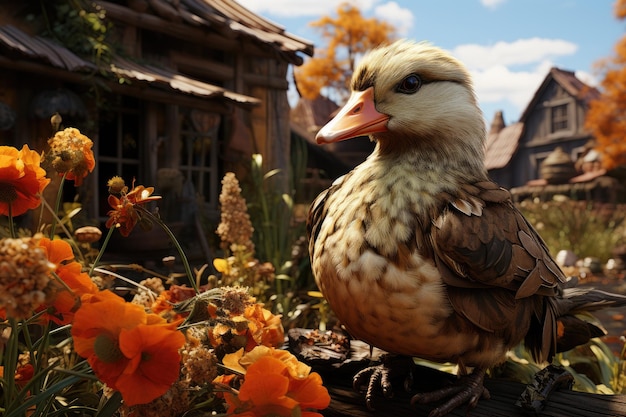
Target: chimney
column 497, row 124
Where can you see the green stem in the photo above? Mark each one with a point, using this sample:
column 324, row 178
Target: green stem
column 57, row 206
column 181, row 252
column 10, row 364
column 102, row 248
column 11, row 222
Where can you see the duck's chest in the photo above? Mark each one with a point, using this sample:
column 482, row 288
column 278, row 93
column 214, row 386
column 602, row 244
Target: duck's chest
column 369, row 261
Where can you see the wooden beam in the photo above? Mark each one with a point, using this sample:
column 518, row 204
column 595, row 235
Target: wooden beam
column 268, row 81
column 212, row 69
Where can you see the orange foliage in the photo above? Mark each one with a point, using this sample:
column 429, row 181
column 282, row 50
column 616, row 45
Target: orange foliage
column 606, row 116
column 620, row 9
column 348, row 36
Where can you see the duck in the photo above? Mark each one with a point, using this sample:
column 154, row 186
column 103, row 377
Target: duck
column 417, row 251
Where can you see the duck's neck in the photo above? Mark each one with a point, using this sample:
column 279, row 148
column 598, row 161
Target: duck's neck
column 450, row 160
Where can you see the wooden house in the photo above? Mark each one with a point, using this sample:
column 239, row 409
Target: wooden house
column 178, row 93
column 552, row 124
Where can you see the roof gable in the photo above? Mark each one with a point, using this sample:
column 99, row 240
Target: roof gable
column 569, row 82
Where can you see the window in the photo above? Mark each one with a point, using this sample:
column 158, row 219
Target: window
column 199, row 137
column 558, row 118
column 118, row 147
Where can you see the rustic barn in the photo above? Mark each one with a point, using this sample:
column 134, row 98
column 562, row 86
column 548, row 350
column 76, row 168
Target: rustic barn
column 178, row 93
column 547, row 151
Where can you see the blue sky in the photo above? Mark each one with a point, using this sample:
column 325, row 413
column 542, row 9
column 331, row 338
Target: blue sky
column 508, row 45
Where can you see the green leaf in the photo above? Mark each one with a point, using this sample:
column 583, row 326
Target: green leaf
column 271, row 173
column 111, row 406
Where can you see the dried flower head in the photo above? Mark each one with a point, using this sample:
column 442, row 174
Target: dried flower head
column 22, row 180
column 148, row 291
column 117, row 185
column 235, row 226
column 199, row 363
column 24, row 276
column 71, row 154
column 236, row 299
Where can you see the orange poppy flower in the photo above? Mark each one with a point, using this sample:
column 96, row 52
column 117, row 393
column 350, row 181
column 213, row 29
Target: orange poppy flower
column 124, row 212
column 154, row 361
column 96, row 329
column 71, row 154
column 22, row 180
column 126, row 347
column 70, row 272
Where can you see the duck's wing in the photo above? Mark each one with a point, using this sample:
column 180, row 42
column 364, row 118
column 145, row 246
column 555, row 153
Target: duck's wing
column 494, row 262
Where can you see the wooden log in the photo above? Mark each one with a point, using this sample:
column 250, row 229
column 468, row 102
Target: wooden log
column 327, row 353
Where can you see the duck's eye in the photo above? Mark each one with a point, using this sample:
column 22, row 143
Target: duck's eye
column 410, row 84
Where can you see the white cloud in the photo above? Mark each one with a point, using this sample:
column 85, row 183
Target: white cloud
column 401, row 18
column 519, row 52
column 492, row 4
column 587, row 78
column 499, row 83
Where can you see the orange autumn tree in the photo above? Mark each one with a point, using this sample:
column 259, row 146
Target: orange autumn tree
column 606, row 118
column 347, row 36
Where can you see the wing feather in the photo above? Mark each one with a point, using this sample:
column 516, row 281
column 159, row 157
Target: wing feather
column 482, row 242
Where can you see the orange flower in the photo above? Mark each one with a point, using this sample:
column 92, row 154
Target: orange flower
column 71, row 154
column 75, row 282
column 124, row 212
column 270, row 387
column 21, row 180
column 126, row 347
column 23, row 374
column 96, row 329
column 154, row 361
column 264, row 328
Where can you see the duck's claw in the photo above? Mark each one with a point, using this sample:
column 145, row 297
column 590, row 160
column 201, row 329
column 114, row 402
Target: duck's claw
column 379, row 377
column 468, row 389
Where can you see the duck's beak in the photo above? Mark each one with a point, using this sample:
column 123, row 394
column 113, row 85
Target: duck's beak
column 358, row 117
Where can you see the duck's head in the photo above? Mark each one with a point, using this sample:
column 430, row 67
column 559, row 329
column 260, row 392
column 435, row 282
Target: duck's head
column 410, row 96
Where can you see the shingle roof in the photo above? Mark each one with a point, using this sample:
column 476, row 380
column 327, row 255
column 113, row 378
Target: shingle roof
column 223, row 16
column 44, row 50
column 501, row 145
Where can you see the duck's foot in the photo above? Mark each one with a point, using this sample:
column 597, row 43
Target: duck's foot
column 468, row 389
column 379, row 377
